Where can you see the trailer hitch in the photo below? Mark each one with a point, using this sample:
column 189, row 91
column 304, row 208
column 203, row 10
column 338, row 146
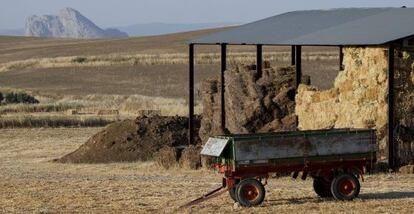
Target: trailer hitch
column 205, row 197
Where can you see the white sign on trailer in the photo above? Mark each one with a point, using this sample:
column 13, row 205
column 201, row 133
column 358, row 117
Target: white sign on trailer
column 214, row 146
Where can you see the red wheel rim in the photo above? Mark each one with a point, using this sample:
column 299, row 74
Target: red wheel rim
column 347, row 187
column 250, row 192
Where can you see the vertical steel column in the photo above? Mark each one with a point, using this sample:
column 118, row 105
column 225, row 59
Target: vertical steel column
column 259, row 60
column 223, row 69
column 298, row 62
column 191, row 95
column 391, row 146
column 341, row 58
column 292, row 55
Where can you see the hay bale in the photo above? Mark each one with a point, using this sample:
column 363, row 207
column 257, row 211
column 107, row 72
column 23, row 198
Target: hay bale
column 207, row 162
column 408, row 169
column 191, row 158
column 210, row 117
column 72, row 112
column 306, row 79
column 108, row 112
column 254, row 102
column 359, row 98
column 166, row 157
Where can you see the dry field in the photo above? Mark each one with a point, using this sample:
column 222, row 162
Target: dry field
column 126, row 75
column 133, row 65
column 75, row 79
column 31, row 183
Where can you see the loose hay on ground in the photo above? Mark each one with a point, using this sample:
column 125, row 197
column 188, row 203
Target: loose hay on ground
column 407, row 169
column 190, row 158
column 167, row 157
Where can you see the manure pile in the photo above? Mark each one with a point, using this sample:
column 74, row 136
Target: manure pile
column 132, row 140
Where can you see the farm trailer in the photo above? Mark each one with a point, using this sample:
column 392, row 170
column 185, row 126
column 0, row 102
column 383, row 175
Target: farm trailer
column 335, row 159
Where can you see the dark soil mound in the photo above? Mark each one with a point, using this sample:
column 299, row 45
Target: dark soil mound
column 131, row 140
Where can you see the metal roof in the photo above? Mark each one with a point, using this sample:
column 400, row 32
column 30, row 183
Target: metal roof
column 346, row 26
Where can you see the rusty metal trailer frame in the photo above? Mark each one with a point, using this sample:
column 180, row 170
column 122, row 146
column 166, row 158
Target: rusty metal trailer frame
column 323, row 155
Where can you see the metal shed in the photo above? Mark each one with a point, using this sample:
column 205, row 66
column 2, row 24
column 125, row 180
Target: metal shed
column 336, row 27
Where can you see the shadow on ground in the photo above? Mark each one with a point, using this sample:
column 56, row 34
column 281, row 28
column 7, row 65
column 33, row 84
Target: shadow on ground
column 387, row 195
column 367, row 196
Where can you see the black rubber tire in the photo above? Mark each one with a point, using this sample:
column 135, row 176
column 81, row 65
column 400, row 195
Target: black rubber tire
column 243, row 191
column 322, row 187
column 345, row 187
column 232, row 193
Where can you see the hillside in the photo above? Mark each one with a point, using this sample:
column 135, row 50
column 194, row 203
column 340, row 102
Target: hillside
column 19, row 48
column 131, row 65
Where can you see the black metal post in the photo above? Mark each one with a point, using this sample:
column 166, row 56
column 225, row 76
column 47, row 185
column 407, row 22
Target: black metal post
column 341, row 58
column 391, row 146
column 191, row 95
column 259, row 60
column 292, row 55
column 298, row 62
column 223, row 69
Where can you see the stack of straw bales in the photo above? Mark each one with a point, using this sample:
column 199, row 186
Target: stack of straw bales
column 359, row 98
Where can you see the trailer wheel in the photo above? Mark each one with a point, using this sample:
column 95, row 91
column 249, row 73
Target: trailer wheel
column 322, row 187
column 250, row 192
column 232, row 191
column 345, row 187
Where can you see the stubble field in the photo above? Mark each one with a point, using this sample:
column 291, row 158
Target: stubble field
column 31, row 183
column 111, row 75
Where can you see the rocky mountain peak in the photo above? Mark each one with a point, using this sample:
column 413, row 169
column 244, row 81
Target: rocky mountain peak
column 69, row 23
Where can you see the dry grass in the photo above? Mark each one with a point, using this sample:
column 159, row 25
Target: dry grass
column 154, row 59
column 29, row 183
column 43, row 107
column 129, row 104
column 133, row 65
column 29, row 121
column 75, row 111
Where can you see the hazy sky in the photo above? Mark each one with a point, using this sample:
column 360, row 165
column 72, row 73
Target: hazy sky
column 108, row 13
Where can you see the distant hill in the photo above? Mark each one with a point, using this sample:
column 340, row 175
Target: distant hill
column 14, row 48
column 69, row 23
column 150, row 29
column 12, row 32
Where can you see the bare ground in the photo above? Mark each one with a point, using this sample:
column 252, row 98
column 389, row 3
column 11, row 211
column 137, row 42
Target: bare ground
column 29, row 183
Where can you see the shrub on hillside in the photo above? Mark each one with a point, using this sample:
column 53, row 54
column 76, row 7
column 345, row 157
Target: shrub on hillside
column 20, row 98
column 1, row 97
column 79, row 59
